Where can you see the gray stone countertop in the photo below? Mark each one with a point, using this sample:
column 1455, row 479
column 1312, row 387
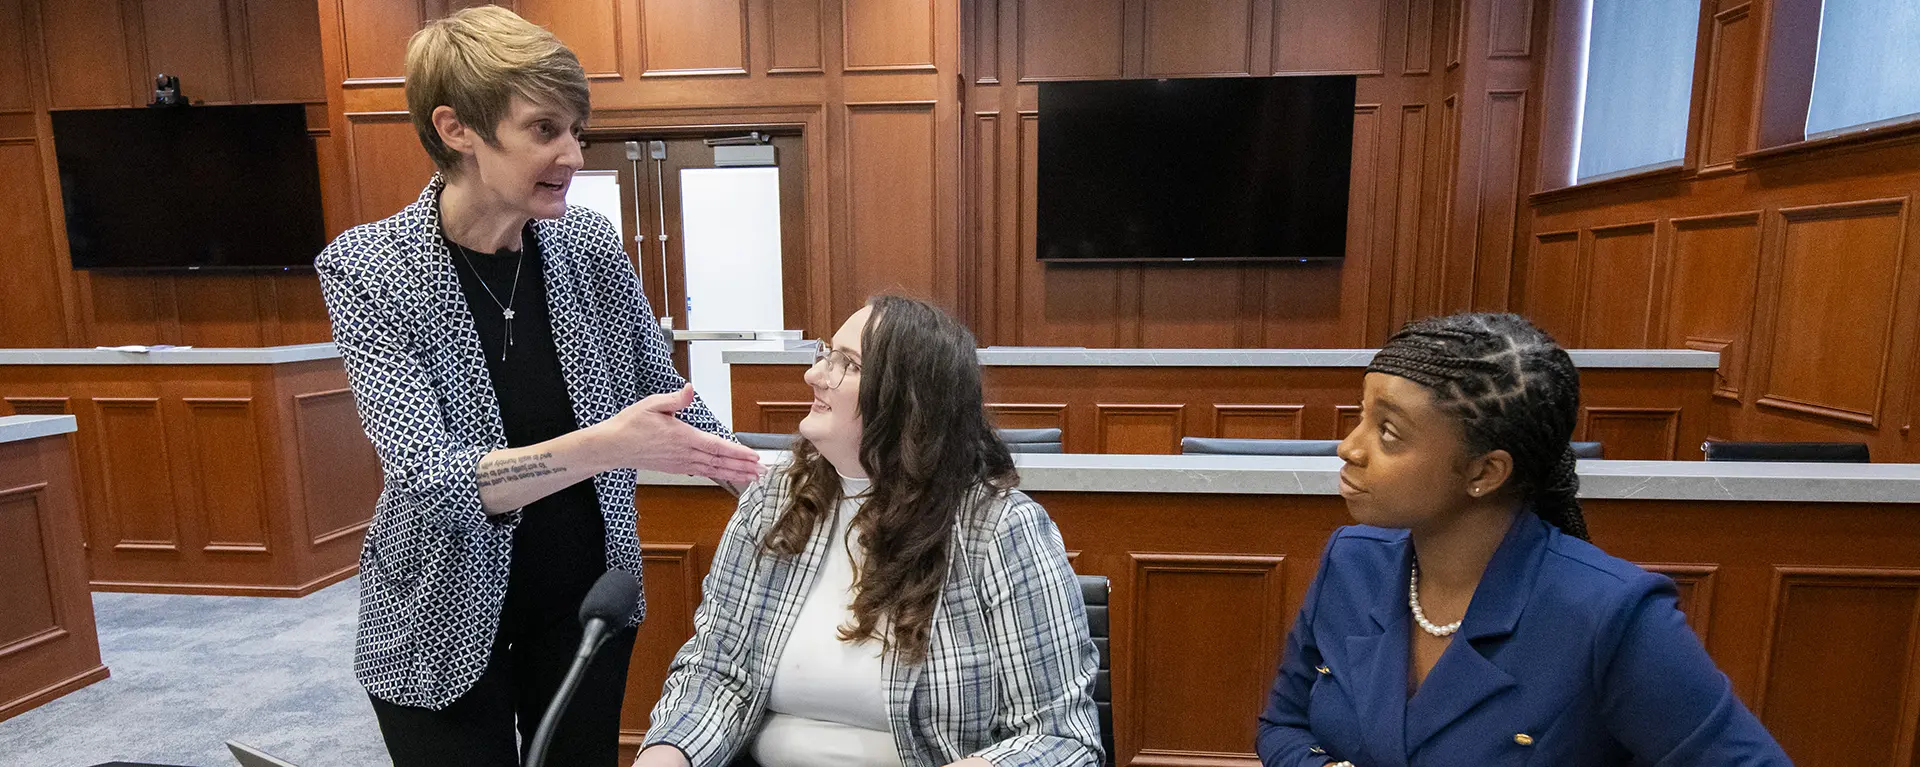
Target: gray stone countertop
column 263, row 355
column 1259, row 475
column 1285, row 358
column 16, row 428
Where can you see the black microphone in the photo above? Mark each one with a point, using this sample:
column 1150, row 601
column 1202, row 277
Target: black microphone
column 608, row 606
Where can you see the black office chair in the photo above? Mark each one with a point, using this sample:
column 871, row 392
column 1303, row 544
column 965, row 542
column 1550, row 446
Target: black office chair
column 1223, row 446
column 1031, row 440
column 1093, row 591
column 1588, row 450
column 760, row 440
column 1803, row 452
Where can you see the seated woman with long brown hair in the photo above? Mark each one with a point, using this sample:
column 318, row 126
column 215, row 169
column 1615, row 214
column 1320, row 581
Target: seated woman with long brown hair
column 888, row 598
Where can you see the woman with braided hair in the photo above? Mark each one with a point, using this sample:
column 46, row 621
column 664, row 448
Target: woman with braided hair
column 1467, row 620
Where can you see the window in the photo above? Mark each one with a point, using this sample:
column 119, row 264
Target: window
column 1867, row 70
column 1638, row 78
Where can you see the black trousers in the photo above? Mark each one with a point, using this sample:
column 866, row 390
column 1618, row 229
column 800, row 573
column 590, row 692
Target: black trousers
column 523, row 672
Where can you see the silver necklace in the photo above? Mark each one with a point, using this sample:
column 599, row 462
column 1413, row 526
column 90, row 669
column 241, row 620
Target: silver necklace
column 1419, row 615
column 506, row 309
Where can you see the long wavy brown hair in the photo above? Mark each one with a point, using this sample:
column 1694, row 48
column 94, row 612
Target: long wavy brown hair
column 932, row 455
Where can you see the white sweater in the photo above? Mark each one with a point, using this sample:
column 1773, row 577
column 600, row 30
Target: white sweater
column 828, row 705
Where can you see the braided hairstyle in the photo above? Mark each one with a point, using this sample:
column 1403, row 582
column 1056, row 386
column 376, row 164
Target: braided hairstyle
column 1512, row 388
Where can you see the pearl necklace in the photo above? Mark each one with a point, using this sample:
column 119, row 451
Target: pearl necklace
column 1419, row 615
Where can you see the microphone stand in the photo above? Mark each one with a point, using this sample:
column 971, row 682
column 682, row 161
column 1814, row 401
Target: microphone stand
column 596, row 634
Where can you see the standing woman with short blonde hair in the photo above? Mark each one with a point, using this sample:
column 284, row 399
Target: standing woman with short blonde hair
column 510, row 375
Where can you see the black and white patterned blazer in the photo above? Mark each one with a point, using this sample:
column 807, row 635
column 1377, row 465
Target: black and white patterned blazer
column 434, row 568
column 1010, row 664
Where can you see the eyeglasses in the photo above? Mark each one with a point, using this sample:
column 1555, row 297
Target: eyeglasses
column 838, row 363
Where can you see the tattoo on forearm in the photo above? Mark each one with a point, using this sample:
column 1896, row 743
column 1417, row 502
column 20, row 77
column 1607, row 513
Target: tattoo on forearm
column 515, row 469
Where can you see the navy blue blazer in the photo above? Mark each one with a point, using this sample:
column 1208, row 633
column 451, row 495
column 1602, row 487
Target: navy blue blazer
column 1566, row 657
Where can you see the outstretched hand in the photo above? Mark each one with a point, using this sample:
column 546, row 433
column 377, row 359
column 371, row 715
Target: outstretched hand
column 646, row 435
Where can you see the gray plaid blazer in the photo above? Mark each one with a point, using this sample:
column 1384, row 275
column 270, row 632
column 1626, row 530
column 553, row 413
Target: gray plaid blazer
column 433, row 570
column 1009, row 667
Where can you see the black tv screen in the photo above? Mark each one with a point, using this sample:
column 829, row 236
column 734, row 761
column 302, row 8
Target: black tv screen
column 1203, row 169
column 196, row 187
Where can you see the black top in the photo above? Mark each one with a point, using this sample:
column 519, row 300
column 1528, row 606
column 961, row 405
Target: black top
column 559, row 549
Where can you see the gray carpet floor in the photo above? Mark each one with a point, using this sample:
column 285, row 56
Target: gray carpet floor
column 191, row 672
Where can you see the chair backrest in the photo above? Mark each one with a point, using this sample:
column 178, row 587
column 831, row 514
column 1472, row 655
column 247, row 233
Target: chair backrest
column 1093, row 591
column 764, row 441
column 1222, row 446
column 1810, row 452
column 1031, row 440
column 1588, row 450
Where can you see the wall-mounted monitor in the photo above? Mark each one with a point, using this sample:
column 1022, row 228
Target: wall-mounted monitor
column 194, row 187
column 1197, row 169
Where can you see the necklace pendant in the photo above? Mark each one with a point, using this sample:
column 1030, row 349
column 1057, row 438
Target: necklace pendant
column 508, row 313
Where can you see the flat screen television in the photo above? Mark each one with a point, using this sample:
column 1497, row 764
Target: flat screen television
column 195, row 187
column 1199, row 169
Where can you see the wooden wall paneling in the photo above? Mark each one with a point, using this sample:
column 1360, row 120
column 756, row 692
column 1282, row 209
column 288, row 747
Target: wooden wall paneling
column 373, row 38
column 672, row 586
column 592, row 29
column 1417, row 52
column 1510, row 29
column 1329, row 36
column 85, row 43
column 1496, row 210
column 1204, row 628
column 17, row 84
column 1025, row 415
column 1617, row 310
column 892, row 236
column 283, row 49
column 25, row 560
column 127, row 308
column 793, row 31
column 982, row 35
column 217, row 310
column 1411, row 235
column 1710, row 300
column 1554, row 276
column 1456, row 31
column 1257, row 421
column 1633, row 434
column 984, row 241
column 136, row 483
column 1198, row 37
column 1139, row 428
column 1835, row 303
column 1435, row 273
column 782, row 417
column 190, row 39
column 1192, row 308
column 48, row 642
column 33, row 312
column 39, row 405
column 389, row 168
column 228, row 483
column 1069, row 39
column 887, row 35
column 340, row 473
column 1346, row 419
column 1727, row 114
column 1695, row 583
column 1382, row 123
column 1879, row 678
